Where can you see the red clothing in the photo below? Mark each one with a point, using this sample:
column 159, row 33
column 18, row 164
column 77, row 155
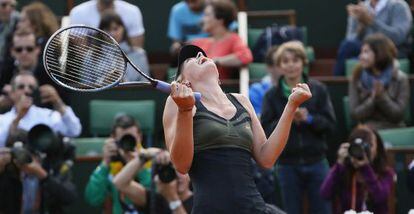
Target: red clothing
column 231, row 44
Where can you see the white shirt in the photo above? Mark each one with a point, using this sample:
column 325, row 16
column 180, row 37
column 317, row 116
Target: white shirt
column 378, row 7
column 68, row 124
column 87, row 13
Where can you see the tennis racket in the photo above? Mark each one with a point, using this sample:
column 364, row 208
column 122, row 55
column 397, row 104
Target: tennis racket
column 87, row 59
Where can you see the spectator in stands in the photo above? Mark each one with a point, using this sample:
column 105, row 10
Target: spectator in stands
column 40, row 19
column 258, row 90
column 26, row 54
column 363, row 177
column 113, row 24
column 302, row 166
column 185, row 23
column 393, row 18
column 24, row 114
column 89, row 13
column 410, row 177
column 173, row 194
column 226, row 48
column 379, row 90
column 100, row 187
column 8, row 19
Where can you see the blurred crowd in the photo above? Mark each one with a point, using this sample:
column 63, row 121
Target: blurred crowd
column 37, row 122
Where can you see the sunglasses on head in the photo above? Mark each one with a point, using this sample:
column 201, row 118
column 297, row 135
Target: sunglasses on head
column 10, row 4
column 29, row 49
column 29, row 86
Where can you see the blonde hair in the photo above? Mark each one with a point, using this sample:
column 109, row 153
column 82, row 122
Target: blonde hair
column 295, row 47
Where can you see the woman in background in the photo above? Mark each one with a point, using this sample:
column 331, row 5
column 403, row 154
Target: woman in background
column 369, row 175
column 379, row 91
column 112, row 24
column 225, row 47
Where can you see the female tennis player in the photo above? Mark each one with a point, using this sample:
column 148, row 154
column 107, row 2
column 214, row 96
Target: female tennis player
column 213, row 139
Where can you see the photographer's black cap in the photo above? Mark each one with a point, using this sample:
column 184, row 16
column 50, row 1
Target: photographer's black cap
column 187, row 51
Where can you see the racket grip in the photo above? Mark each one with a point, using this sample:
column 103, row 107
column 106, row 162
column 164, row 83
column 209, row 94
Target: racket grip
column 166, row 87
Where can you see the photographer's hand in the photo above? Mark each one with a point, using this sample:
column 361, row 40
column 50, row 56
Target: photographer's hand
column 109, row 150
column 48, row 94
column 5, row 158
column 34, row 168
column 170, row 192
column 342, row 153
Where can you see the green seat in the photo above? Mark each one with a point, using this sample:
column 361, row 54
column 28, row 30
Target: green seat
column 257, row 70
column 350, row 65
column 347, row 113
column 399, row 137
column 102, row 113
column 89, row 146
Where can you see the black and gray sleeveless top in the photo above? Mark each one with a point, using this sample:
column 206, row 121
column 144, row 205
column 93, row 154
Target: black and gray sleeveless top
column 213, row 131
column 221, row 172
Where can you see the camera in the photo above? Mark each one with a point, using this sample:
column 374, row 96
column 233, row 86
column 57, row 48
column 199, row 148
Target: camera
column 165, row 172
column 20, row 154
column 127, row 143
column 358, row 148
column 42, row 142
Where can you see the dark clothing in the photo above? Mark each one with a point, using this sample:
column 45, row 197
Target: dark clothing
column 387, row 109
column 10, row 190
column 410, row 179
column 306, row 143
column 56, row 190
column 221, row 171
column 373, row 192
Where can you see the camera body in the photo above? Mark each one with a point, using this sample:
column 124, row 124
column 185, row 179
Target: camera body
column 165, row 172
column 41, row 141
column 127, row 143
column 358, row 148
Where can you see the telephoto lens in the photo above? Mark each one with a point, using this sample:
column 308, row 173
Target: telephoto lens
column 359, row 148
column 127, row 143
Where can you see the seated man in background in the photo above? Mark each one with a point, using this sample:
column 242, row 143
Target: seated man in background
column 26, row 52
column 393, row 18
column 89, row 13
column 25, row 114
column 185, row 23
column 119, row 149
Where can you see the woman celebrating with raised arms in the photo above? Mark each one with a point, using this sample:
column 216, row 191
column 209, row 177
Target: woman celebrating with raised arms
column 213, row 139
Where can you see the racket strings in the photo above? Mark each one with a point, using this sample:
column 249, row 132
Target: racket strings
column 84, row 58
column 99, row 63
column 77, row 62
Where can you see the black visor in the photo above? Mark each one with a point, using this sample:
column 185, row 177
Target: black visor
column 187, row 51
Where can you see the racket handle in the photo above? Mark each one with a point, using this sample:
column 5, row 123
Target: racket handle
column 166, row 87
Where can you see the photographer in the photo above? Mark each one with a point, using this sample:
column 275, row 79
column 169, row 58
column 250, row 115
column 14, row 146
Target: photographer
column 173, row 194
column 119, row 149
column 361, row 178
column 25, row 114
column 36, row 172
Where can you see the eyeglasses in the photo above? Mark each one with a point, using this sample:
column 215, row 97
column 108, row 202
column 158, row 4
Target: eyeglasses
column 22, row 86
column 3, row 5
column 29, row 49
